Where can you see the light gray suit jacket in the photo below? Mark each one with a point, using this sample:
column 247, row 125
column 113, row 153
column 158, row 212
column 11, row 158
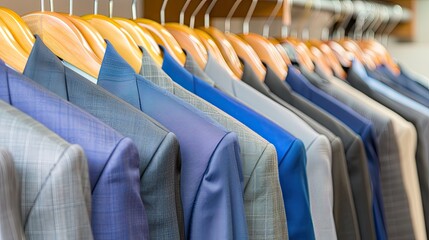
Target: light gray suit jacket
column 263, row 200
column 54, row 178
column 10, row 198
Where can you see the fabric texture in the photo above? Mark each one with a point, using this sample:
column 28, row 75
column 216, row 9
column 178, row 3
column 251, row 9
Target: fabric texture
column 318, row 149
column 359, row 79
column 354, row 149
column 393, row 190
column 407, row 137
column 291, row 154
column 263, row 200
column 158, row 148
column 10, row 198
column 112, row 159
column 346, row 224
column 55, row 193
column 211, row 175
column 371, row 143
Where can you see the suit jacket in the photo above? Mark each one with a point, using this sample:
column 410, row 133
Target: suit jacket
column 52, row 193
column 318, row 149
column 371, row 146
column 410, row 158
column 211, row 173
column 401, row 84
column 354, row 150
column 158, row 148
column 394, row 193
column 10, row 198
column 265, row 213
column 289, row 149
column 346, row 224
column 112, row 159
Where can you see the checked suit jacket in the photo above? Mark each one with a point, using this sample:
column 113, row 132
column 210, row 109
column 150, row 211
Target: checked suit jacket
column 10, row 197
column 113, row 161
column 158, row 148
column 49, row 196
column 263, row 200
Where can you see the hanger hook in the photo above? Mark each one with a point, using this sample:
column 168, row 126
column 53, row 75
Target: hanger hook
column 326, row 32
column 230, row 14
column 95, row 7
column 70, row 7
column 349, row 11
column 110, row 8
column 162, row 11
column 249, row 14
column 305, row 28
column 267, row 24
column 134, row 9
column 397, row 15
column 207, row 13
column 196, row 11
column 378, row 11
column 286, row 21
column 385, row 21
column 182, row 12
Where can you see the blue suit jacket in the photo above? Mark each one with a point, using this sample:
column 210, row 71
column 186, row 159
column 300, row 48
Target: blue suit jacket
column 290, row 151
column 117, row 209
column 402, row 84
column 211, row 176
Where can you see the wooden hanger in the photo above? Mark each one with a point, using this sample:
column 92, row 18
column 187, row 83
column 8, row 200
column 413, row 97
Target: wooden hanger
column 118, row 36
column 302, row 53
column 246, row 52
column 162, row 36
column 221, row 40
column 62, row 37
column 141, row 36
column 213, row 49
column 187, row 38
column 281, row 50
column 18, row 28
column 91, row 35
column 332, row 60
column 10, row 51
column 266, row 51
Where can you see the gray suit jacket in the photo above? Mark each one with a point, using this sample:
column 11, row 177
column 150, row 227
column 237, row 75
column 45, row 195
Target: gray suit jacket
column 158, row 148
column 393, row 189
column 318, row 149
column 346, row 223
column 421, row 123
column 54, row 178
column 354, row 149
column 10, row 198
column 263, row 200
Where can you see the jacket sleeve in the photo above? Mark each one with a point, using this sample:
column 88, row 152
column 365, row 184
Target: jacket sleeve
column 263, row 199
column 162, row 177
column 218, row 212
column 63, row 206
column 120, row 213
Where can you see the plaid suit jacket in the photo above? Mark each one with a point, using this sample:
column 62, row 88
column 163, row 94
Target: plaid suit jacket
column 10, row 197
column 113, row 160
column 50, row 187
column 263, row 200
column 158, row 148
